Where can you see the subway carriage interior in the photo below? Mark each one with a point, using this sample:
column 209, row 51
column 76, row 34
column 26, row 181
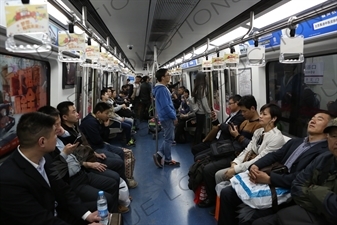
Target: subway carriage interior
column 136, row 38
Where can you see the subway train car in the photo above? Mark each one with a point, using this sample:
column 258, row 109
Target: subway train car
column 282, row 52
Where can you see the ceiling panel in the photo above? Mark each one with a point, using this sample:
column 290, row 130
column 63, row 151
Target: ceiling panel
column 171, row 25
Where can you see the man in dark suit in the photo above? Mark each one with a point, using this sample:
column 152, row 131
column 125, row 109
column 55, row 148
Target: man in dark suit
column 235, row 117
column 29, row 194
column 296, row 154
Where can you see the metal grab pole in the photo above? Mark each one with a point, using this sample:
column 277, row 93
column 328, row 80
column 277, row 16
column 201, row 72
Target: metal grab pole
column 154, row 69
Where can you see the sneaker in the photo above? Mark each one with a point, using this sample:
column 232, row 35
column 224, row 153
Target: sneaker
column 132, row 183
column 158, row 160
column 131, row 143
column 133, row 132
column 123, row 209
column 174, row 143
column 172, row 163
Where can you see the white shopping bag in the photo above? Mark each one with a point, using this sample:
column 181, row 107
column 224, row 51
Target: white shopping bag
column 257, row 196
column 124, row 199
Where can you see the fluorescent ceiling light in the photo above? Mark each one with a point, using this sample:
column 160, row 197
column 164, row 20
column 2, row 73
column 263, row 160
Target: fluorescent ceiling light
column 188, row 56
column 179, row 60
column 285, row 11
column 57, row 14
column 234, row 34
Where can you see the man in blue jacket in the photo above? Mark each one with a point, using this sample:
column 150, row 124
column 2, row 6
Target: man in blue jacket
column 167, row 116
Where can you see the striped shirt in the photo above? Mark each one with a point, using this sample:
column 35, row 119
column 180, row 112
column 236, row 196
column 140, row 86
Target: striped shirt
column 305, row 146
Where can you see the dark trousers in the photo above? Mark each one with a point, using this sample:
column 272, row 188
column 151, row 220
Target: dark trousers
column 116, row 159
column 87, row 186
column 198, row 135
column 200, row 147
column 229, row 202
column 209, row 175
column 136, row 109
column 228, row 214
column 109, row 172
column 180, row 136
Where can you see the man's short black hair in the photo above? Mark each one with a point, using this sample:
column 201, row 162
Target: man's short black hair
column 32, row 126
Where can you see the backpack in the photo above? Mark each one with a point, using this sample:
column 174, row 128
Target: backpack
column 195, row 173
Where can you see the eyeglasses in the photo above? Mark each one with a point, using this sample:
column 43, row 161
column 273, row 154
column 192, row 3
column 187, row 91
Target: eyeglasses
column 231, row 103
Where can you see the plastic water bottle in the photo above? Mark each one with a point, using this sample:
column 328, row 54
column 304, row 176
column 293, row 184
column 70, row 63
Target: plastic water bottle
column 102, row 207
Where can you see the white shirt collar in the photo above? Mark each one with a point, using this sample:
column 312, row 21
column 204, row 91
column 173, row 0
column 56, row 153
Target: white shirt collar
column 36, row 166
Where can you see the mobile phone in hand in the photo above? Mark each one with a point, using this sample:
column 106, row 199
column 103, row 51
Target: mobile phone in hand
column 78, row 139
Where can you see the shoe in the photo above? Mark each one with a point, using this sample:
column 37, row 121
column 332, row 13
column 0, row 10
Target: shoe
column 172, row 163
column 174, row 143
column 157, row 160
column 123, row 209
column 132, row 183
column 131, row 143
column 212, row 212
column 206, row 203
column 133, row 132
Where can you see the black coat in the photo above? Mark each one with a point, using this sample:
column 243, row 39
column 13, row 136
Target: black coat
column 281, row 156
column 26, row 198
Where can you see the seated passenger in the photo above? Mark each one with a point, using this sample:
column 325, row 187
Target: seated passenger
column 29, row 193
column 69, row 121
column 119, row 106
column 184, row 115
column 235, row 117
column 177, row 98
column 265, row 140
column 296, row 154
column 86, row 185
column 126, row 123
column 242, row 138
column 95, row 128
column 314, row 190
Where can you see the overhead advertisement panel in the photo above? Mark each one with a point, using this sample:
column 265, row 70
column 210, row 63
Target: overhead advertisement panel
column 320, row 25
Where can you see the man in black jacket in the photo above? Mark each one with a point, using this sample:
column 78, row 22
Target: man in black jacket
column 29, row 194
column 314, row 190
column 296, row 154
column 235, row 117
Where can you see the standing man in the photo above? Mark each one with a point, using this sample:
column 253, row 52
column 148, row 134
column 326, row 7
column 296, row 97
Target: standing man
column 135, row 96
column 145, row 97
column 167, row 117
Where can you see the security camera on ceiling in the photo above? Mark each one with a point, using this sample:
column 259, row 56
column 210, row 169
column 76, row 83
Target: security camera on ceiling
column 130, row 47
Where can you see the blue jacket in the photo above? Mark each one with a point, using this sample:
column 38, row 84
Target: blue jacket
column 164, row 104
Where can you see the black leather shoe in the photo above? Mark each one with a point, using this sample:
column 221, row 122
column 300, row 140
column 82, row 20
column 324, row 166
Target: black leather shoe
column 206, row 203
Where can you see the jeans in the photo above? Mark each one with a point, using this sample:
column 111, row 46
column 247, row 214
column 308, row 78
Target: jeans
column 165, row 148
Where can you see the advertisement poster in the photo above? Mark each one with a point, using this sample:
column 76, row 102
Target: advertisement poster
column 23, row 89
column 26, row 19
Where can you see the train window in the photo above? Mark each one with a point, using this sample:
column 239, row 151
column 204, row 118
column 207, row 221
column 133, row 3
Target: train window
column 24, row 87
column 301, row 90
column 193, row 74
